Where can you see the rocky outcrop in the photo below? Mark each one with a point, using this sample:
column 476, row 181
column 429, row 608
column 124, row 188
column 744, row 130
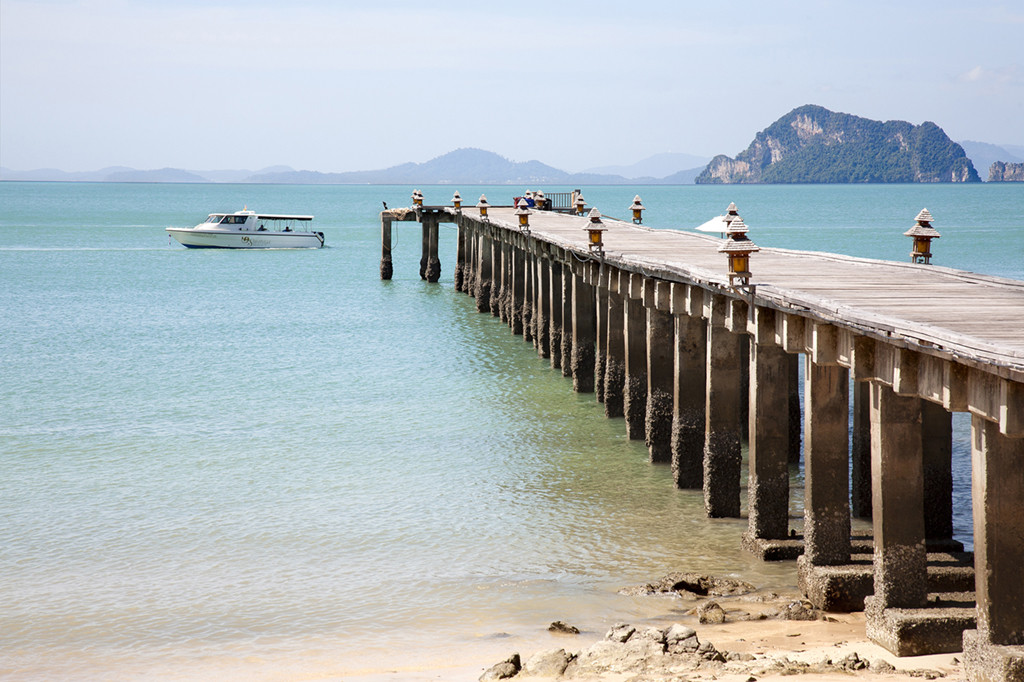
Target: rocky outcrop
column 814, row 145
column 1000, row 171
column 693, row 585
column 675, row 653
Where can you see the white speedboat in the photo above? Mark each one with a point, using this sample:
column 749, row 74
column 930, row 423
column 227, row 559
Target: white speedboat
column 250, row 230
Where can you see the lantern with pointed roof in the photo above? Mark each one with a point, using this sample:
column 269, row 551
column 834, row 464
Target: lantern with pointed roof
column 457, row 200
column 731, row 213
column 483, row 205
column 523, row 211
column 417, row 197
column 581, row 203
column 923, row 234
column 738, row 248
column 595, row 241
column 637, row 208
column 539, row 201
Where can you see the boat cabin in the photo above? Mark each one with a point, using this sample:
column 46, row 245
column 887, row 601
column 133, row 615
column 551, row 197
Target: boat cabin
column 257, row 222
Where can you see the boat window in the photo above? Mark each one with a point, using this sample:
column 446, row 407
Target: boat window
column 214, row 219
column 235, row 219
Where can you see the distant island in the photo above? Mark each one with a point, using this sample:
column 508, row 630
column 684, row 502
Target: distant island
column 1000, row 171
column 811, row 144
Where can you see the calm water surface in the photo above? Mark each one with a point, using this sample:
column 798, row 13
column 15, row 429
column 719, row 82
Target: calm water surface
column 273, row 465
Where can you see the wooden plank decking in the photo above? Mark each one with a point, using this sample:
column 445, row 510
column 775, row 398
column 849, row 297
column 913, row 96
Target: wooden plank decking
column 973, row 317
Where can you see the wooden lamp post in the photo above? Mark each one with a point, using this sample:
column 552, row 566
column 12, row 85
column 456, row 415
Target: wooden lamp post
column 738, row 248
column 923, row 234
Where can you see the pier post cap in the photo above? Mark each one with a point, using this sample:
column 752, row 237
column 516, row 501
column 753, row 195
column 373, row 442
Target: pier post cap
column 738, row 248
column 483, row 205
column 922, row 233
column 457, row 199
column 581, row 203
column 595, row 240
column 636, row 208
column 523, row 211
column 731, row 213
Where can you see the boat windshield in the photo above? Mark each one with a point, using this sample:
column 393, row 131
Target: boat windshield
column 213, row 219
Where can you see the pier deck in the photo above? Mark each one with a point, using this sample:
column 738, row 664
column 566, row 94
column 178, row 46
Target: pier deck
column 974, row 316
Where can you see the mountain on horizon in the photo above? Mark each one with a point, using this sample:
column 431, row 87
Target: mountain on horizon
column 462, row 166
column 128, row 174
column 811, row 144
column 983, row 155
column 661, row 166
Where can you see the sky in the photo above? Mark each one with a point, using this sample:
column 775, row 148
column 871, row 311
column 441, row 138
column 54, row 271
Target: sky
column 338, row 86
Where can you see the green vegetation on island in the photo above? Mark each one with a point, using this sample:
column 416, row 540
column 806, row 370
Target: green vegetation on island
column 814, row 145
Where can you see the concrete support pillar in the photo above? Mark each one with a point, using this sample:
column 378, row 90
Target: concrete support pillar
column 555, row 311
column 529, row 292
column 860, row 452
column 483, row 285
column 601, row 347
column 898, row 510
column 937, row 447
column 472, row 269
column 615, row 351
column 386, row 268
column 995, row 650
column 768, row 481
column 516, row 312
column 543, row 307
column 505, row 300
column 566, row 320
column 634, row 398
column 723, row 419
column 424, row 248
column 584, row 329
column 796, row 414
column 660, row 375
column 460, row 256
column 432, row 271
column 494, row 303
column 689, row 391
column 826, row 462
column 536, row 297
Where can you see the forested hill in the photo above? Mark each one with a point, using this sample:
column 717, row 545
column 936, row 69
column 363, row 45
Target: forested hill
column 814, row 145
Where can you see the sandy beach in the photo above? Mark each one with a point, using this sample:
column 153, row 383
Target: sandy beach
column 756, row 640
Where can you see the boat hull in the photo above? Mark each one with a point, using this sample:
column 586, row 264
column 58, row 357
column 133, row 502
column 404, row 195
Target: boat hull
column 221, row 239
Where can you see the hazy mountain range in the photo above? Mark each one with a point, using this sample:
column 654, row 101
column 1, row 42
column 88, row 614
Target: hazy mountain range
column 462, row 166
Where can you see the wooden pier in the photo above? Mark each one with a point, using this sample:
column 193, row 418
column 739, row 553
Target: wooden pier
column 649, row 321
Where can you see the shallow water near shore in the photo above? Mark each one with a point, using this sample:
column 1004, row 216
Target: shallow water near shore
column 272, row 465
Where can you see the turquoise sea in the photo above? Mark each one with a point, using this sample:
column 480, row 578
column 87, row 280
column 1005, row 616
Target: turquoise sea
column 273, row 465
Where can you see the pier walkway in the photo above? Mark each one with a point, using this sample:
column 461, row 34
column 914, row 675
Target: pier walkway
column 649, row 321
